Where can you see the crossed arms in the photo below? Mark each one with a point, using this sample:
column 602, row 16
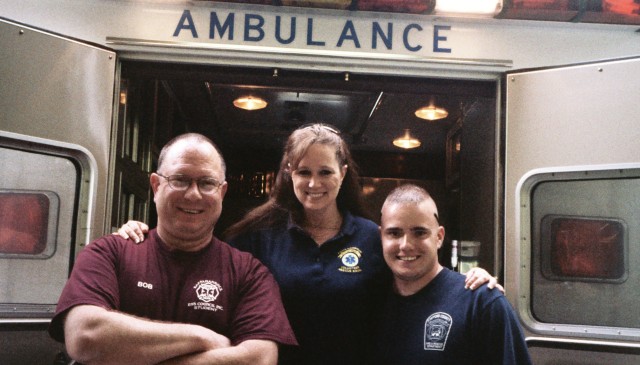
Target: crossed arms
column 95, row 335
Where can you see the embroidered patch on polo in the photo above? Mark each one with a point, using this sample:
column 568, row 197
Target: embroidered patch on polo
column 350, row 258
column 436, row 331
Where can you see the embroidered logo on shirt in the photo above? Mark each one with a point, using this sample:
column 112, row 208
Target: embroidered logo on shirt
column 207, row 291
column 350, row 258
column 436, row 331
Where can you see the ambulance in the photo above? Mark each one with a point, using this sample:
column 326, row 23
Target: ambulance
column 521, row 117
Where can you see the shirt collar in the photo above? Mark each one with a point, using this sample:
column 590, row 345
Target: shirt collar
column 348, row 224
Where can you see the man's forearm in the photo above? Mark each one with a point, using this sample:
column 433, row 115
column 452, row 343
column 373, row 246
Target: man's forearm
column 250, row 352
column 94, row 335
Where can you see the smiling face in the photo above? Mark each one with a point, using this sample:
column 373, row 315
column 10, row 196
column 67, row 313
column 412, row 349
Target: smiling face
column 186, row 218
column 317, row 178
column 411, row 237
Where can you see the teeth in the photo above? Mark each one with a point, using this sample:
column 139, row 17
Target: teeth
column 191, row 211
column 316, row 195
column 408, row 258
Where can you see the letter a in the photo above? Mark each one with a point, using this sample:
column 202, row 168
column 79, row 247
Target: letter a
column 186, row 22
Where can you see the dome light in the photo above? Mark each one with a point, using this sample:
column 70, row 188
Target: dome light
column 431, row 112
column 250, row 103
column 406, row 141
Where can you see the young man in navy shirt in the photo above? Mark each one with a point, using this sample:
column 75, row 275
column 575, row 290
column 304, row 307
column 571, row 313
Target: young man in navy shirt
column 429, row 317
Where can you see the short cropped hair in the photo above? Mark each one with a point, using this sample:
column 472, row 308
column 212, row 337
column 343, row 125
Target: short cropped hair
column 409, row 194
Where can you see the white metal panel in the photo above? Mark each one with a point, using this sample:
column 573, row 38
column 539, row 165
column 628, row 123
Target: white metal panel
column 56, row 99
column 60, row 90
column 574, row 118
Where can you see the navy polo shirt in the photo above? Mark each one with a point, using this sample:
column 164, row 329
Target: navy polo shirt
column 329, row 292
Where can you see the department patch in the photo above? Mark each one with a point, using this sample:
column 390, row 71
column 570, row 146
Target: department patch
column 350, row 258
column 436, row 331
column 207, row 291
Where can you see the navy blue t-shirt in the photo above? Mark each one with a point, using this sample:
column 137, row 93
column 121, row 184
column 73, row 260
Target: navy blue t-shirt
column 446, row 324
column 330, row 292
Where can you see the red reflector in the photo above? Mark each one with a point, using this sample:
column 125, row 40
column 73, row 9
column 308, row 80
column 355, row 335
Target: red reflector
column 625, row 7
column 259, row 2
column 398, row 6
column 541, row 4
column 329, row 4
column 23, row 223
column 587, row 248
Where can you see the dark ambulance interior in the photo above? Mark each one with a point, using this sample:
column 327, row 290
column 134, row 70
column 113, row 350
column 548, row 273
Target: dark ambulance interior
column 455, row 160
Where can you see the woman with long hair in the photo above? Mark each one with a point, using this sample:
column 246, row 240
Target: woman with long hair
column 325, row 254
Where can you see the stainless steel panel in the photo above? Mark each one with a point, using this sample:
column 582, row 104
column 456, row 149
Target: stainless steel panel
column 568, row 352
column 27, row 281
column 576, row 119
column 56, row 100
column 62, row 91
column 578, row 305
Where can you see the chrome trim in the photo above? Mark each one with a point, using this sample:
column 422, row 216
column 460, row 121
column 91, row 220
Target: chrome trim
column 523, row 233
column 307, row 59
column 547, row 340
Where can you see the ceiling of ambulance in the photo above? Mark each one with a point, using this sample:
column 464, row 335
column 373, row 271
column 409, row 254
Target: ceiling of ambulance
column 370, row 110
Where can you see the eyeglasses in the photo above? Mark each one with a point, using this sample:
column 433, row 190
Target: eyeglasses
column 206, row 185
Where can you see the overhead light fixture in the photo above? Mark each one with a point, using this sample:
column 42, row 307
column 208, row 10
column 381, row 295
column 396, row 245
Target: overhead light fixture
column 479, row 8
column 406, row 141
column 431, row 112
column 249, row 103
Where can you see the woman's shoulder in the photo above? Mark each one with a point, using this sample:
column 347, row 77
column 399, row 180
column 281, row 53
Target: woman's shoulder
column 350, row 215
column 361, row 222
column 255, row 235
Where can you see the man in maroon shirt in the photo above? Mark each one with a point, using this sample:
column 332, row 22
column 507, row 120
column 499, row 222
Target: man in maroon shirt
column 185, row 296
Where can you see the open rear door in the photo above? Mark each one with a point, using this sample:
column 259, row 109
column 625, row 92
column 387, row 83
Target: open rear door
column 56, row 102
column 572, row 210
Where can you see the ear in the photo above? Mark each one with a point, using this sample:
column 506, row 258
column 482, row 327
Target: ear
column 154, row 180
column 440, row 236
column 223, row 189
column 344, row 170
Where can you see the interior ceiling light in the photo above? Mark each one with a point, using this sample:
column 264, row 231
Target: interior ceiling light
column 406, row 141
column 249, row 103
column 431, row 112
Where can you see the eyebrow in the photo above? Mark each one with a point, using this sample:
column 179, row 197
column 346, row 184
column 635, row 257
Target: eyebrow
column 410, row 229
column 323, row 167
column 414, row 228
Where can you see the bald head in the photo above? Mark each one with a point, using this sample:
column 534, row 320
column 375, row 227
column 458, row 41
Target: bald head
column 189, row 138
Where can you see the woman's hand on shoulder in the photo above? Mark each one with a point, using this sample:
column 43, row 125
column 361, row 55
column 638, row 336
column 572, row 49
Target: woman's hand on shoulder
column 133, row 230
column 478, row 276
